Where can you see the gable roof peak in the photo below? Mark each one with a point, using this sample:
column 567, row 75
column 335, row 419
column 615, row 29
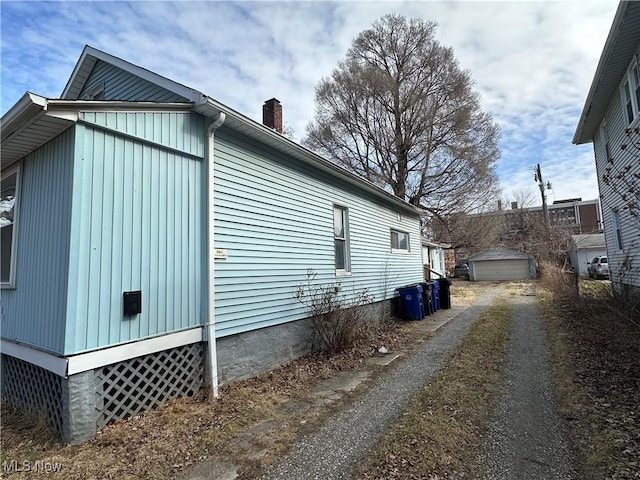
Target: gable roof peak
column 90, row 56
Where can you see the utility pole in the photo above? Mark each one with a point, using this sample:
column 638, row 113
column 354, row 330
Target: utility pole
column 542, row 186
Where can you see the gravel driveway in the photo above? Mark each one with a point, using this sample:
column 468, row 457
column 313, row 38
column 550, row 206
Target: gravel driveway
column 347, row 437
column 526, row 438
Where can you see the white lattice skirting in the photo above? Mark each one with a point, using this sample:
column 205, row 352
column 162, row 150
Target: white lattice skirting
column 33, row 389
column 121, row 389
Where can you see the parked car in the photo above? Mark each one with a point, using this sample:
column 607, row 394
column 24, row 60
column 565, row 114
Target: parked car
column 461, row 270
column 598, row 268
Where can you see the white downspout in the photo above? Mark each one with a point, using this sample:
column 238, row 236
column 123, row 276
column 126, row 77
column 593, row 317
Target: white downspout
column 210, row 327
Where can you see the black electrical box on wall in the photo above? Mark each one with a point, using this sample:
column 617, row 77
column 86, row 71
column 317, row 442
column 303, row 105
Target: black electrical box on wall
column 132, row 303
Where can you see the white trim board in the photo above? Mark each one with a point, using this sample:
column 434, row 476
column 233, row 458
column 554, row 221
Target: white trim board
column 53, row 363
column 66, row 366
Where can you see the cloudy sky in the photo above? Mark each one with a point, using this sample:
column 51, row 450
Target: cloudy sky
column 532, row 61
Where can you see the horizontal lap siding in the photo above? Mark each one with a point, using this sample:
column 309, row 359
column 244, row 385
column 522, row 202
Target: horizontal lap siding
column 138, row 224
column 275, row 219
column 610, row 200
column 34, row 312
column 121, row 85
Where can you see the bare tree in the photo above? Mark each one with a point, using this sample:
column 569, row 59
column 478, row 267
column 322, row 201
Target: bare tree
column 622, row 177
column 468, row 233
column 400, row 112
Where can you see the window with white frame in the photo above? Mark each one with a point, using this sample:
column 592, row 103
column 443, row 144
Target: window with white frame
column 341, row 238
column 630, row 92
column 399, row 241
column 635, row 75
column 615, row 220
column 9, row 185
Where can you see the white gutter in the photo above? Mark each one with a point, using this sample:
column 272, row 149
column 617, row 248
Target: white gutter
column 210, row 327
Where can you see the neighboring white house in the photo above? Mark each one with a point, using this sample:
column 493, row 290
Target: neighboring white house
column 433, row 255
column 501, row 263
column 611, row 120
column 584, row 248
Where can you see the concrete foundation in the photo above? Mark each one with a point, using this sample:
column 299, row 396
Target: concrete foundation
column 78, row 406
column 247, row 354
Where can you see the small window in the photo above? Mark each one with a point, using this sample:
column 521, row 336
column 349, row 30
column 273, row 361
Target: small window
column 341, row 238
column 630, row 92
column 8, row 220
column 615, row 220
column 399, row 241
column 96, row 93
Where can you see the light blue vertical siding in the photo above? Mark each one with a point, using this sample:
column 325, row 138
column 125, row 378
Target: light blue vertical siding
column 183, row 132
column 34, row 312
column 275, row 219
column 121, row 85
column 138, row 223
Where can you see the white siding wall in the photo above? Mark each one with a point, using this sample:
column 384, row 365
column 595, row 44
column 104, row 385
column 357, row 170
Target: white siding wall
column 275, row 219
column 630, row 226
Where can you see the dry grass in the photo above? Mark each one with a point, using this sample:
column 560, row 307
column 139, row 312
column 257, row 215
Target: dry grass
column 596, row 370
column 439, row 435
column 465, row 292
column 252, row 423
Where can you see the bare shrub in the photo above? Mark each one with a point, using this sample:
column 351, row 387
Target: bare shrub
column 338, row 322
column 561, row 282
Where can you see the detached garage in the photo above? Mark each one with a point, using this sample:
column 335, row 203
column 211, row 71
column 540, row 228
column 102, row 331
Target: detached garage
column 501, row 264
column 584, row 248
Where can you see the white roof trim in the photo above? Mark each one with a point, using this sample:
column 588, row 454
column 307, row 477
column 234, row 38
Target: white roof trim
column 210, row 108
column 34, row 112
column 90, row 55
column 618, row 51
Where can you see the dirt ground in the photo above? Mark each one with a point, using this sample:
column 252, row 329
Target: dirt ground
column 597, row 369
column 250, row 424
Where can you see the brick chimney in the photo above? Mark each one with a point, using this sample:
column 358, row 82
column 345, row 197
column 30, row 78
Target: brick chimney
column 272, row 114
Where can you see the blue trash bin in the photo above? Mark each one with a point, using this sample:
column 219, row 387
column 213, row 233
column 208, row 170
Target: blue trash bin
column 411, row 298
column 435, row 295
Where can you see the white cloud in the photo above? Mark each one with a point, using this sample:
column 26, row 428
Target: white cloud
column 532, row 61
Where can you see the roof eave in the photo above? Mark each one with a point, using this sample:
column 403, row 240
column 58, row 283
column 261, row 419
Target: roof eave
column 32, row 112
column 247, row 126
column 89, row 57
column 600, row 92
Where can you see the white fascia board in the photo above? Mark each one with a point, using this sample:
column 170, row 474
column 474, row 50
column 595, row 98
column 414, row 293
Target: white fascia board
column 620, row 44
column 71, row 365
column 53, row 363
column 99, row 358
column 22, row 111
column 286, row 145
column 177, row 88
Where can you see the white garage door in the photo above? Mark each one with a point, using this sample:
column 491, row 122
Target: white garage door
column 501, row 269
